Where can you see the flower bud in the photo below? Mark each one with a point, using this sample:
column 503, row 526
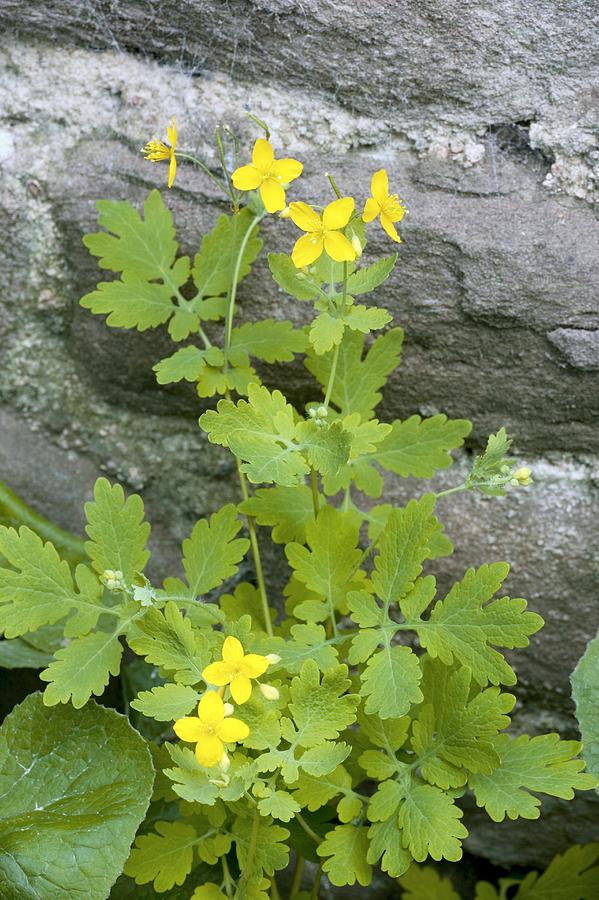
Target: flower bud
column 322, row 412
column 273, row 658
column 269, row 692
column 522, row 475
column 225, row 762
column 284, row 214
column 229, row 709
column 312, row 412
column 357, row 245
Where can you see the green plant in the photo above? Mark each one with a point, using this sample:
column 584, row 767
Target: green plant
column 364, row 711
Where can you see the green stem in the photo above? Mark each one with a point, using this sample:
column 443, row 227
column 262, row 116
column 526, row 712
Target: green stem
column 228, row 883
column 274, row 891
column 327, row 396
column 204, row 336
column 221, row 153
column 315, row 494
column 204, row 168
column 333, row 184
column 309, row 831
column 249, row 860
column 255, row 553
column 453, row 490
column 234, row 278
column 297, row 878
column 316, row 886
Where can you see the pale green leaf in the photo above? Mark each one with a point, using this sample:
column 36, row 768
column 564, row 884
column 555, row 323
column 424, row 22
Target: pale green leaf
column 290, row 278
column 344, row 850
column 390, row 682
column 313, row 792
column 385, row 801
column 166, row 702
column 288, row 510
column 572, row 875
column 325, row 333
column 82, row 668
column 131, row 303
column 366, row 318
column 585, row 692
column 117, row 531
column 543, row 764
column 321, row 709
column 430, row 822
column 271, row 851
column 70, row 806
column 359, row 380
column 213, row 264
column 419, row 447
column 307, row 642
column 280, row 805
column 187, row 363
column 183, row 323
column 325, row 758
column 367, row 278
column 402, row 548
column 424, row 883
column 168, row 640
column 466, row 626
column 164, row 857
column 212, row 552
column 385, row 844
column 269, row 340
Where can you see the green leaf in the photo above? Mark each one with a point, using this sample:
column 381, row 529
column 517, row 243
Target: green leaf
column 39, row 590
column 117, row 531
column 167, row 639
column 542, row 764
column 271, row 853
column 366, row 318
column 142, row 248
column 213, row 264
column 19, row 654
column 390, row 682
column 164, row 857
column 313, row 792
column 431, row 824
column 321, row 710
column 424, row 882
column 465, row 625
column 289, row 510
column 403, row 546
column 187, row 363
column 454, row 731
column 269, row 340
column 358, row 380
column 212, row 552
column 262, row 718
column 385, row 801
column 308, row 642
column 345, row 851
column 246, row 601
column 166, row 702
column 191, row 781
column 366, row 279
column 328, row 566
column 70, row 806
column 183, row 323
column 490, row 463
column 326, row 332
column 131, row 303
column 82, row 668
column 325, row 758
column 280, row 805
column 585, row 692
column 385, row 844
column 208, row 891
column 326, row 446
column 290, row 278
column 419, row 447
column 572, row 875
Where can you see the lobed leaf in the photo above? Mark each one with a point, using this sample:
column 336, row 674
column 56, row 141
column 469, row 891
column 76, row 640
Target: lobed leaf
column 118, row 534
column 419, row 447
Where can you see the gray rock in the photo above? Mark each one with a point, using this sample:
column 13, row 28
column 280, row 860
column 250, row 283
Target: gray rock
column 486, row 118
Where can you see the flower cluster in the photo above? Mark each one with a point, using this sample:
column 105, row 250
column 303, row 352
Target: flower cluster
column 214, row 725
column 323, row 232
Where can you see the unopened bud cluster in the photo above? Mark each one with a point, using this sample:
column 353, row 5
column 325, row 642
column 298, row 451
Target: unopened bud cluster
column 113, row 580
column 318, row 414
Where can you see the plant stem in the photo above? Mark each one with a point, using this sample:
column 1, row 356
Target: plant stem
column 227, row 880
column 255, row 550
column 204, row 168
column 315, row 494
column 453, row 490
column 221, row 153
column 309, row 831
column 297, row 877
column 316, row 886
column 249, row 860
column 274, row 891
column 327, row 396
column 233, row 285
column 205, row 338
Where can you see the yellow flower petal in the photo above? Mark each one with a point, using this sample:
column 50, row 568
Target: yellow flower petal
column 390, row 228
column 287, row 170
column 338, row 246
column 263, row 156
column 272, row 194
column 189, row 729
column 338, row 213
column 218, row 673
column 394, row 210
column 172, row 170
column 156, row 150
column 246, row 178
column 232, row 730
column 171, row 131
column 304, row 217
column 232, row 650
column 209, row 750
column 254, row 665
column 307, row 249
column 371, row 210
column 211, row 708
column 380, row 186
column 241, row 688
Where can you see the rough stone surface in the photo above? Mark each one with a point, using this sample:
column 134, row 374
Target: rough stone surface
column 486, row 115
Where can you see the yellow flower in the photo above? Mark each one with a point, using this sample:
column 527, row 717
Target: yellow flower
column 269, row 174
column 158, row 150
column 322, row 233
column 381, row 203
column 236, row 669
column 210, row 730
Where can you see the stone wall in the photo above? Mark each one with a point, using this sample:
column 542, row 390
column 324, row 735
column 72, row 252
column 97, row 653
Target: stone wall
column 486, row 115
